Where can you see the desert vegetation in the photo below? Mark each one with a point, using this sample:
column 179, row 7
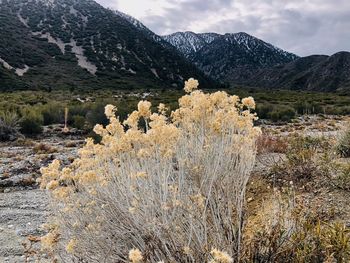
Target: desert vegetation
column 170, row 163
column 171, row 186
column 36, row 109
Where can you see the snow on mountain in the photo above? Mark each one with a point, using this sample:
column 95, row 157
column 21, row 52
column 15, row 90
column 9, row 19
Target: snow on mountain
column 251, row 43
column 189, row 42
column 141, row 27
column 230, row 57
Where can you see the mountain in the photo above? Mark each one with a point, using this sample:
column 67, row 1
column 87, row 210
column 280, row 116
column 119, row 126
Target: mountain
column 229, row 57
column 188, row 42
column 314, row 73
column 78, row 43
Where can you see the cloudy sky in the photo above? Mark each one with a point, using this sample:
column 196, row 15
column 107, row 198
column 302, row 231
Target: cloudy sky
column 304, row 27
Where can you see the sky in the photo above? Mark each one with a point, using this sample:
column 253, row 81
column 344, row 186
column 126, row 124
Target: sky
column 304, row 27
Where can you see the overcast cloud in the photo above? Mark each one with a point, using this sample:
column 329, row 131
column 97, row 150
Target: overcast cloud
column 304, row 27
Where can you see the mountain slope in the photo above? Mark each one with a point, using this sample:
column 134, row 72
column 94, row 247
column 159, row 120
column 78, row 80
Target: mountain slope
column 188, row 42
column 316, row 73
column 229, row 57
column 78, row 43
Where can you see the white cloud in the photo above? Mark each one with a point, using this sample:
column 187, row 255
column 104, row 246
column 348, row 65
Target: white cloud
column 301, row 26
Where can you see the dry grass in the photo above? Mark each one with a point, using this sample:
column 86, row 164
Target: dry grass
column 42, row 148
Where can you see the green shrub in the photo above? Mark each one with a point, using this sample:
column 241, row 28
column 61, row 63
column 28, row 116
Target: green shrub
column 53, row 113
column 343, row 145
column 263, row 110
column 284, row 113
column 342, row 181
column 31, row 123
column 96, row 114
column 9, row 126
column 78, row 122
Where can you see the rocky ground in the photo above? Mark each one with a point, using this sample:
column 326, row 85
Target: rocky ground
column 24, row 207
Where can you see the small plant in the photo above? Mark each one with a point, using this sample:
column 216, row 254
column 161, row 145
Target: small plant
column 9, row 126
column 303, row 160
column 343, row 146
column 44, row 148
column 271, row 144
column 31, row 123
column 342, row 180
column 79, row 122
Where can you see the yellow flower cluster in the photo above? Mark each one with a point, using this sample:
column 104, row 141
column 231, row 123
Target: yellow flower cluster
column 110, row 111
column 220, row 257
column 144, row 108
column 249, row 102
column 135, row 256
column 71, row 246
column 191, row 85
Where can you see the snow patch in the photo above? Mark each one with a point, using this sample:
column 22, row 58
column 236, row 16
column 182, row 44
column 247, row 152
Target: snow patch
column 5, row 64
column 23, row 21
column 154, row 71
column 73, row 11
column 20, row 72
column 82, row 59
column 61, row 45
column 132, row 71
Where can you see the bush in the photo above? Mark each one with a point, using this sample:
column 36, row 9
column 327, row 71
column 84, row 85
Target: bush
column 173, row 192
column 288, row 232
column 96, row 114
column 302, row 161
column 343, row 145
column 9, row 126
column 53, row 113
column 78, row 122
column 284, row 113
column 342, row 180
column 31, row 123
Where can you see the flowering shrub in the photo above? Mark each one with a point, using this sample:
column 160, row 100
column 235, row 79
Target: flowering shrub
column 172, row 190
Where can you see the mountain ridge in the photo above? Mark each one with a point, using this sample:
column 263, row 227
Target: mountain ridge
column 229, row 57
column 313, row 73
column 76, row 43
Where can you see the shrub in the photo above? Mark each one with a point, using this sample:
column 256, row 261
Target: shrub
column 96, row 114
column 53, row 113
column 302, row 162
column 283, row 113
column 9, row 126
column 44, row 148
column 285, row 231
column 343, row 145
column 31, row 123
column 342, row 180
column 79, row 122
column 271, row 144
column 263, row 110
column 173, row 191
